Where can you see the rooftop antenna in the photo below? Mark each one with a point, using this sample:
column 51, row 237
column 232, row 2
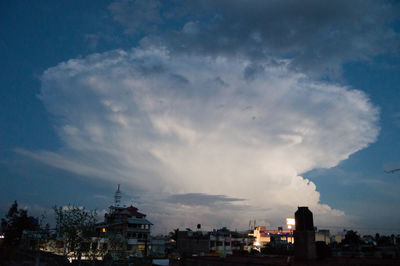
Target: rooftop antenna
column 117, row 197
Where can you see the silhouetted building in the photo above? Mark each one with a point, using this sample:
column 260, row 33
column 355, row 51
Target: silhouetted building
column 192, row 242
column 222, row 241
column 304, row 235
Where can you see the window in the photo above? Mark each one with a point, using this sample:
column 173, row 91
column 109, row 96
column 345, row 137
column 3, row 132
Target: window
column 219, row 243
column 236, row 243
column 131, row 235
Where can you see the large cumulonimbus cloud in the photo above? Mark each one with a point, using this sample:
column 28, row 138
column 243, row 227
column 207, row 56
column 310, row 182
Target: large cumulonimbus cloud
column 234, row 133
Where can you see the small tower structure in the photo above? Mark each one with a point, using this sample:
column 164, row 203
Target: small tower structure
column 117, row 197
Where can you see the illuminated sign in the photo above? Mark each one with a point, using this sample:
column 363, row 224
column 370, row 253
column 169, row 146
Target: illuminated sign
column 290, row 221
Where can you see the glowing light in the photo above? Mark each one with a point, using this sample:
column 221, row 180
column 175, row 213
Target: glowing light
column 1, row 236
column 257, row 244
column 290, row 221
column 289, row 227
column 103, row 230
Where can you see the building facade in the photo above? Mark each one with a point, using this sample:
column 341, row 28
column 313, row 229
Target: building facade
column 219, row 242
column 125, row 231
column 264, row 237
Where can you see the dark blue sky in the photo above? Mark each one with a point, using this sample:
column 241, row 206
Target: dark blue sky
column 136, row 108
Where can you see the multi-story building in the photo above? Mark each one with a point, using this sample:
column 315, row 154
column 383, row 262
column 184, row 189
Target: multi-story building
column 221, row 241
column 192, row 242
column 323, row 236
column 264, row 237
column 125, row 231
column 241, row 241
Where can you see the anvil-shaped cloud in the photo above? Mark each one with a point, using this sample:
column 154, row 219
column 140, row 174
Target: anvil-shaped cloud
column 178, row 124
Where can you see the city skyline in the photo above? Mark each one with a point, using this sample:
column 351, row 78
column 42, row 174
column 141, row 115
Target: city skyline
column 212, row 113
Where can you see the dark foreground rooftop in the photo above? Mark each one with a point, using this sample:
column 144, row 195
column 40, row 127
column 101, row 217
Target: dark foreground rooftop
column 282, row 260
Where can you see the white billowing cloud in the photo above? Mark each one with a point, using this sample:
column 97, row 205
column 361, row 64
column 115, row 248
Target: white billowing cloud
column 179, row 124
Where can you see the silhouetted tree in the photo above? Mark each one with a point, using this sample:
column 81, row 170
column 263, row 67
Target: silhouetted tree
column 76, row 226
column 351, row 238
column 15, row 222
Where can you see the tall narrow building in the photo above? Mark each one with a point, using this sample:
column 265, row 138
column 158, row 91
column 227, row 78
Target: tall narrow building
column 304, row 235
